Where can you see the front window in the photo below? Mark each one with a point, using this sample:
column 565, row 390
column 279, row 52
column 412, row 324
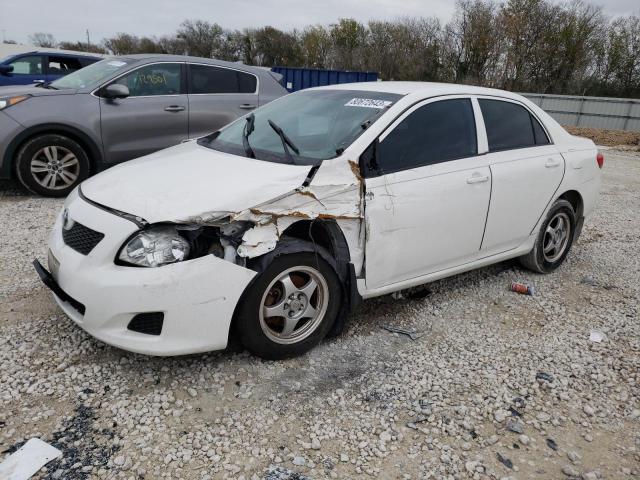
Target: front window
column 31, row 65
column 94, row 74
column 320, row 123
column 154, row 79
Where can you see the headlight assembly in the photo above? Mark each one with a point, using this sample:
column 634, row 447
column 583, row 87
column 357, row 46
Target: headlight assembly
column 9, row 101
column 154, row 247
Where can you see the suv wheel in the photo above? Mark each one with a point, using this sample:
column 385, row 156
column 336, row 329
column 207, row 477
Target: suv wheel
column 51, row 165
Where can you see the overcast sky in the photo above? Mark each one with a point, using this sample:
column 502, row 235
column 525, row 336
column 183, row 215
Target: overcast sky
column 69, row 19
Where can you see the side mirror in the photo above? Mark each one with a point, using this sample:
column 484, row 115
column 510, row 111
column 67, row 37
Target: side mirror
column 115, row 90
column 6, row 69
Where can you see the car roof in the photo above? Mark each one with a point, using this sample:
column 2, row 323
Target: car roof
column 142, row 57
column 56, row 54
column 426, row 89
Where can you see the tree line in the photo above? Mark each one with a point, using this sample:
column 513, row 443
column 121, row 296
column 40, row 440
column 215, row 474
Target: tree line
column 519, row 45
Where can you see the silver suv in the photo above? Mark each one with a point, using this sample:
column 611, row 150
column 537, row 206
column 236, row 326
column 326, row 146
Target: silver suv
column 56, row 134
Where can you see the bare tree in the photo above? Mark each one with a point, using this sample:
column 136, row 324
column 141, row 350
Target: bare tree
column 45, row 40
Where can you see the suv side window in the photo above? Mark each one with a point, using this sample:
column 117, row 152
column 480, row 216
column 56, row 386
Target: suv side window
column 63, row 65
column 205, row 79
column 31, row 65
column 434, row 133
column 152, row 80
column 510, row 126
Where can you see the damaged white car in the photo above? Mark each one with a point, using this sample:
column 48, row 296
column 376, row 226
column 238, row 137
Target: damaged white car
column 277, row 225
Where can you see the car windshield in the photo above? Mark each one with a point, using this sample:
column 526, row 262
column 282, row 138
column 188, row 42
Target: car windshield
column 92, row 75
column 320, row 124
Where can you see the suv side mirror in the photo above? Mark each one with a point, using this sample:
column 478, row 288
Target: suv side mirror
column 6, row 69
column 115, row 90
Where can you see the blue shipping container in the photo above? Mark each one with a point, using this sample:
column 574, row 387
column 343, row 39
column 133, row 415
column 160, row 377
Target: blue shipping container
column 295, row 79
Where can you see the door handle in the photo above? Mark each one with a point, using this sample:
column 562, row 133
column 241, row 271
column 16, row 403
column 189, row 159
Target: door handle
column 477, row 179
column 551, row 163
column 174, row 108
column 247, row 106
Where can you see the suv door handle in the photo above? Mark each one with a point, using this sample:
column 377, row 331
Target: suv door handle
column 174, row 108
column 247, row 106
column 552, row 163
column 477, row 179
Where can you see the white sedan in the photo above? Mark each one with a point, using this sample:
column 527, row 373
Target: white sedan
column 277, row 225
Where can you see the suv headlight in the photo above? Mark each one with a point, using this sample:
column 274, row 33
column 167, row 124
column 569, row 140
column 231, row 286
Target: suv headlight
column 9, row 101
column 155, row 247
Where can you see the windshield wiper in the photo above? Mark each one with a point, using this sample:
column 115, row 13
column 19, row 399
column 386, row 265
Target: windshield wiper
column 285, row 141
column 46, row 85
column 248, row 129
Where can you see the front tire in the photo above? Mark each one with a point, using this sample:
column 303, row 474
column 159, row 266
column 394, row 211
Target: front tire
column 290, row 306
column 554, row 239
column 51, row 165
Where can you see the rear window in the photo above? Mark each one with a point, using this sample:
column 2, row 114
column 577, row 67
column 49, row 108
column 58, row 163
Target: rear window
column 210, row 79
column 510, row 126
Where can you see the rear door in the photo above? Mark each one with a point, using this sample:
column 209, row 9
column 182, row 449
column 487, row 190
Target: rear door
column 526, row 170
column 426, row 207
column 26, row 70
column 217, row 96
column 153, row 117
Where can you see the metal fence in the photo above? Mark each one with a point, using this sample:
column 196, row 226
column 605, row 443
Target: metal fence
column 596, row 112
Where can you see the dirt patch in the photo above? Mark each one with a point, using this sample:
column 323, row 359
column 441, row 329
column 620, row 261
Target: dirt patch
column 610, row 138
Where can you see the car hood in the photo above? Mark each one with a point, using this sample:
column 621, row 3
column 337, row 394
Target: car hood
column 190, row 180
column 13, row 90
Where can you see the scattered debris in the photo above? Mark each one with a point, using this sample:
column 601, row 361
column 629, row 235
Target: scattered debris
column 412, row 334
column 27, row 460
column 546, row 377
column 597, row 336
column 414, row 424
column 515, row 425
column 552, row 444
column 503, row 460
column 515, row 412
column 279, row 473
column 589, row 280
column 522, row 288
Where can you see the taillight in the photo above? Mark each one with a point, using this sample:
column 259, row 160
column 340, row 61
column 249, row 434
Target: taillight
column 600, row 159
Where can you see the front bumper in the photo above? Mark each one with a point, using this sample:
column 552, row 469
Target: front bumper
column 197, row 297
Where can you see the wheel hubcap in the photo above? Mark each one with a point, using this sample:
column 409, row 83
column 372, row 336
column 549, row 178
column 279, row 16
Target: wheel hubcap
column 294, row 305
column 556, row 237
column 55, row 167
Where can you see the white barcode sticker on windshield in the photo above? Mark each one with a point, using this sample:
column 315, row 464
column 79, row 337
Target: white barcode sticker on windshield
column 117, row 63
column 368, row 103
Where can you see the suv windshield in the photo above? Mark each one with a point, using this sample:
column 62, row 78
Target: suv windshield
column 319, row 123
column 93, row 74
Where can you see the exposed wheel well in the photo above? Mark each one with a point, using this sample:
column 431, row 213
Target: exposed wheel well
column 575, row 199
column 93, row 153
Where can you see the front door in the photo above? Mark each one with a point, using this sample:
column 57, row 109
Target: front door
column 26, row 70
column 427, row 204
column 526, row 171
column 153, row 117
column 217, row 96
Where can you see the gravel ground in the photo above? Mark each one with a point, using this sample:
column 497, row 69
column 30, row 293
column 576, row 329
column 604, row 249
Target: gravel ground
column 499, row 385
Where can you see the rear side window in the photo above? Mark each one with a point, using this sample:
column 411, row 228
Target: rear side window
column 210, row 79
column 63, row 65
column 510, row 126
column 435, row 133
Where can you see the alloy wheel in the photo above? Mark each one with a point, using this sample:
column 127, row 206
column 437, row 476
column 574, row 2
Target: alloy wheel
column 294, row 305
column 556, row 237
column 55, row 167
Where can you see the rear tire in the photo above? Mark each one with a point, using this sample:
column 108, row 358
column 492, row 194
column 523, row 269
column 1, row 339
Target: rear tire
column 554, row 239
column 289, row 307
column 51, row 165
